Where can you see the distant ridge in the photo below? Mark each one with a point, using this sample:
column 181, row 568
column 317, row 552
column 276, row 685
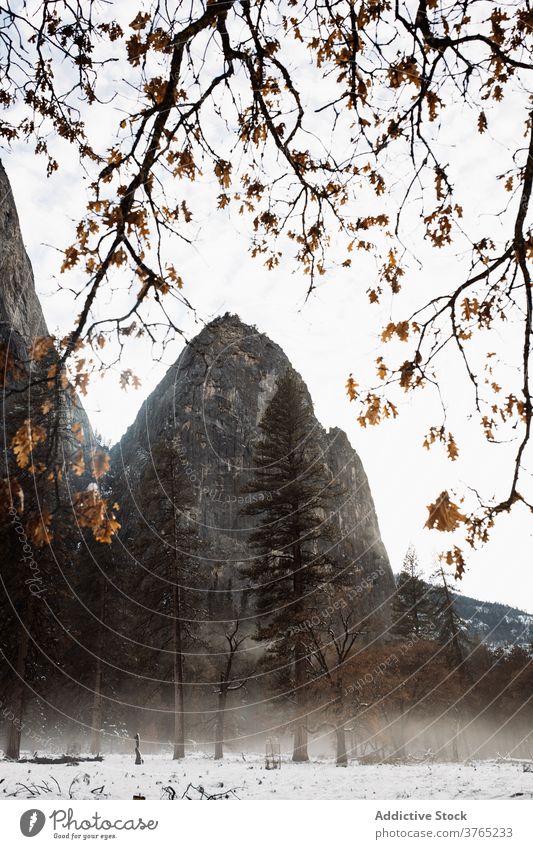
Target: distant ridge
column 495, row 624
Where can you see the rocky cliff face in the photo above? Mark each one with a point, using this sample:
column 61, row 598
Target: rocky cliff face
column 20, row 309
column 211, row 402
column 21, row 321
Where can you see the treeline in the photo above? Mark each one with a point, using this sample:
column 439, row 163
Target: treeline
column 432, row 689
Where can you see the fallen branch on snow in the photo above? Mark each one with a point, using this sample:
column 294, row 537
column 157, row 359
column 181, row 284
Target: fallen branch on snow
column 193, row 793
column 70, row 760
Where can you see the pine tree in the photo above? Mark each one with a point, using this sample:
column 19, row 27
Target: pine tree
column 291, row 498
column 414, row 612
column 167, row 546
column 451, row 631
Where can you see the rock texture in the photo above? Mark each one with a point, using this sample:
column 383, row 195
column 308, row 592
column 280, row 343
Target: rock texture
column 21, row 321
column 212, row 400
column 20, row 309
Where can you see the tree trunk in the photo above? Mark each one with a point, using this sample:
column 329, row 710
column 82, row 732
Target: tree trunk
column 18, row 693
column 400, row 735
column 179, row 706
column 96, row 713
column 342, row 756
column 97, row 708
column 453, row 741
column 299, row 753
column 462, row 744
column 340, row 731
column 219, row 725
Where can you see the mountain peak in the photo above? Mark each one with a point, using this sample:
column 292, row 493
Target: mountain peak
column 229, row 319
column 229, row 324
column 212, row 401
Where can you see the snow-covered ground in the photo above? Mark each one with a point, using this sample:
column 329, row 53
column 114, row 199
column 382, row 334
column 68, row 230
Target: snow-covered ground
column 118, row 778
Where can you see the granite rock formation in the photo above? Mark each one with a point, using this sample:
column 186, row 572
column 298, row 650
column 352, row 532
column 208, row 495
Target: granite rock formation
column 21, row 321
column 19, row 305
column 211, row 401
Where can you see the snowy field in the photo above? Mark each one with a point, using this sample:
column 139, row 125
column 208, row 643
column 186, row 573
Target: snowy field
column 117, row 778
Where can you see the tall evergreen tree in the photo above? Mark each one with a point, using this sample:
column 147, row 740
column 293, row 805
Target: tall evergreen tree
column 451, row 632
column 167, row 547
column 291, row 498
column 414, row 611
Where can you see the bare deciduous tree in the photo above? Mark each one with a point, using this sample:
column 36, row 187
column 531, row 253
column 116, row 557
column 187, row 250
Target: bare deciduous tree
column 322, row 123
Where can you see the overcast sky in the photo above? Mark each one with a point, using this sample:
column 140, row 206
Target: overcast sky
column 325, row 339
column 335, row 332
